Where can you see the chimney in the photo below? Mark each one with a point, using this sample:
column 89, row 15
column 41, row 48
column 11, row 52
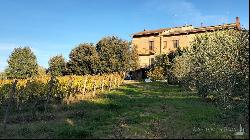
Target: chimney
column 144, row 30
column 238, row 23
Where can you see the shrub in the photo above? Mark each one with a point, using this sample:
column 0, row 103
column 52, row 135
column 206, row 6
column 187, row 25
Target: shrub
column 165, row 61
column 134, row 58
column 182, row 71
column 156, row 73
column 162, row 61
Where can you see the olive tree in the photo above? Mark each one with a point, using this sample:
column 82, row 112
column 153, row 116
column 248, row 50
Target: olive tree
column 217, row 64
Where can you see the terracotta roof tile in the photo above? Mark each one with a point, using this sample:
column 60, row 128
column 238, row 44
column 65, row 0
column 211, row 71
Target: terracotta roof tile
column 204, row 29
column 181, row 31
column 151, row 31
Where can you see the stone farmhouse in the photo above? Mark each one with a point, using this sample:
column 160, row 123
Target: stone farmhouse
column 151, row 43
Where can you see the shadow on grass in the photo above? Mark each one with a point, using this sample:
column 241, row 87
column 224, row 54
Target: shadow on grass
column 138, row 110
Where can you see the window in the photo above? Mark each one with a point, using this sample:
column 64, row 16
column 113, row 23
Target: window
column 176, row 43
column 165, row 44
column 151, row 45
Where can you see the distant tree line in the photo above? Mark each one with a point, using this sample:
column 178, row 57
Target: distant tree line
column 110, row 54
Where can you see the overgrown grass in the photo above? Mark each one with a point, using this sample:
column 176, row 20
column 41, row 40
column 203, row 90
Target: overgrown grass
column 135, row 110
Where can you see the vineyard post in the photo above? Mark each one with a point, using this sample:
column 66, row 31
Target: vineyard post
column 17, row 101
column 11, row 93
column 119, row 81
column 49, row 92
column 94, row 87
column 110, row 85
column 85, row 82
column 102, row 83
column 115, row 82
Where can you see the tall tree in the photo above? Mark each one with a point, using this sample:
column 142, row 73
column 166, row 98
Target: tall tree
column 22, row 63
column 41, row 71
column 57, row 65
column 83, row 60
column 115, row 54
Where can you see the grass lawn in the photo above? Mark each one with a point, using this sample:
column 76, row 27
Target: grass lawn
column 135, row 110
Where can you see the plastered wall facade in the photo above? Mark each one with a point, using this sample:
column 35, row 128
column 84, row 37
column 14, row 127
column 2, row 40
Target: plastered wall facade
column 162, row 45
